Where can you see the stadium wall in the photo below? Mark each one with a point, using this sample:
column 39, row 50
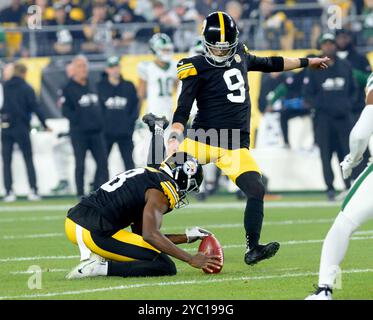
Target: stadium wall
column 287, row 170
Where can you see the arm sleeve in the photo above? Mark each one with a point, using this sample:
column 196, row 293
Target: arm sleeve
column 280, row 91
column 35, row 107
column 361, row 133
column 267, row 64
column 189, row 87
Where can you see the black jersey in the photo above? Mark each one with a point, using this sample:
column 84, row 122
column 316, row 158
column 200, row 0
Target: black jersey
column 120, row 202
column 222, row 93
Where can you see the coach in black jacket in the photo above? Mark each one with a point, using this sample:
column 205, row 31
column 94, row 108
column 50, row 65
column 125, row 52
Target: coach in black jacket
column 331, row 94
column 119, row 101
column 19, row 103
column 80, row 105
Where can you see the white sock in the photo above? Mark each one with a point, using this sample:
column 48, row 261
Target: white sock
column 334, row 249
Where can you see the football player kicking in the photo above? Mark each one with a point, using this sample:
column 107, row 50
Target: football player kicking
column 138, row 198
column 218, row 81
column 357, row 207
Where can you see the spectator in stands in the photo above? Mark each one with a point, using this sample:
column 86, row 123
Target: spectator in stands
column 80, row 105
column 273, row 30
column 330, row 94
column 235, row 10
column 75, row 9
column 64, row 41
column 118, row 98
column 183, row 11
column 123, row 13
column 368, row 22
column 205, row 7
column 19, row 103
column 97, row 30
column 15, row 13
column 361, row 70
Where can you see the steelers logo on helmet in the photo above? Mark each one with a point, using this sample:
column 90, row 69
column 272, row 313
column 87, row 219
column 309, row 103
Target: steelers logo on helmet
column 190, row 167
column 186, row 172
column 220, row 38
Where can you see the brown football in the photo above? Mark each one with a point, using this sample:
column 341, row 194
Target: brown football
column 210, row 246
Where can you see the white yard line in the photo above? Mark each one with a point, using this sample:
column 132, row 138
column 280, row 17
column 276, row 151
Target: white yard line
column 33, row 272
column 207, row 205
column 208, row 226
column 230, row 246
column 175, row 283
column 33, row 236
column 27, row 219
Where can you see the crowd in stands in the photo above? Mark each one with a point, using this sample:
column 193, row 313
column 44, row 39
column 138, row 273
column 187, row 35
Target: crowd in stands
column 91, row 27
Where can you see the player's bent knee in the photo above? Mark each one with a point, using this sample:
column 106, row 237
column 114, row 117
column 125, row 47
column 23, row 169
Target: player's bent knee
column 168, row 267
column 346, row 223
column 251, row 184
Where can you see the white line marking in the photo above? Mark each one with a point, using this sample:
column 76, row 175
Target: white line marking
column 34, row 236
column 23, row 219
column 14, row 259
column 208, row 205
column 229, row 246
column 208, row 226
column 176, row 283
column 46, row 270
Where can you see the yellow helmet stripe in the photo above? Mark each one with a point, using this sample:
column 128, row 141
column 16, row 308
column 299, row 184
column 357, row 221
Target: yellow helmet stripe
column 222, row 26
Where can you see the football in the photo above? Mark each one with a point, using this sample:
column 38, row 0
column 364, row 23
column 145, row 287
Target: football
column 210, row 246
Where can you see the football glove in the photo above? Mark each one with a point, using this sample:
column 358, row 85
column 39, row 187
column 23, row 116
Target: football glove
column 347, row 165
column 196, row 233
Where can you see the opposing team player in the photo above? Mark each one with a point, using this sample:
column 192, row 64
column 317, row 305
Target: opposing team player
column 218, row 82
column 158, row 81
column 357, row 207
column 138, row 198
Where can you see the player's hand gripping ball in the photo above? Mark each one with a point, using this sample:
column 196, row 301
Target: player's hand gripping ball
column 210, row 246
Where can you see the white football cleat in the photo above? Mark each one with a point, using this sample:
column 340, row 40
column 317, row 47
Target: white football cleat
column 322, row 293
column 33, row 196
column 10, row 197
column 93, row 267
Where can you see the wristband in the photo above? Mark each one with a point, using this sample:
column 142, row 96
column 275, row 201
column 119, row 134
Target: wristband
column 304, row 62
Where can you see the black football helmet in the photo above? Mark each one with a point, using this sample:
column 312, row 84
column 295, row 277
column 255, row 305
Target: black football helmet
column 220, row 38
column 186, row 172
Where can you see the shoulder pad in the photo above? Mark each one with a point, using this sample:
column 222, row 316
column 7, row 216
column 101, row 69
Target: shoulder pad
column 186, row 68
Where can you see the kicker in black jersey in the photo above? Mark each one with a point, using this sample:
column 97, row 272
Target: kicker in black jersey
column 221, row 92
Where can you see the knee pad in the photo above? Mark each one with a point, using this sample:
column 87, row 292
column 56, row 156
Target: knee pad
column 251, row 184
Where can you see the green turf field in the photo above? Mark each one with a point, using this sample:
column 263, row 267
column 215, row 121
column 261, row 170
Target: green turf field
column 33, row 234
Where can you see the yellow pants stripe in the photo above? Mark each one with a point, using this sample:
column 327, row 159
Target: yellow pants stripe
column 122, row 236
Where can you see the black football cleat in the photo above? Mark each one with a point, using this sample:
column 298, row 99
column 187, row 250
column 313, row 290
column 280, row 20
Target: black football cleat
column 151, row 120
column 261, row 252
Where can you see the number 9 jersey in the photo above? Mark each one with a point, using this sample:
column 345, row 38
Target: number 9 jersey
column 221, row 91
